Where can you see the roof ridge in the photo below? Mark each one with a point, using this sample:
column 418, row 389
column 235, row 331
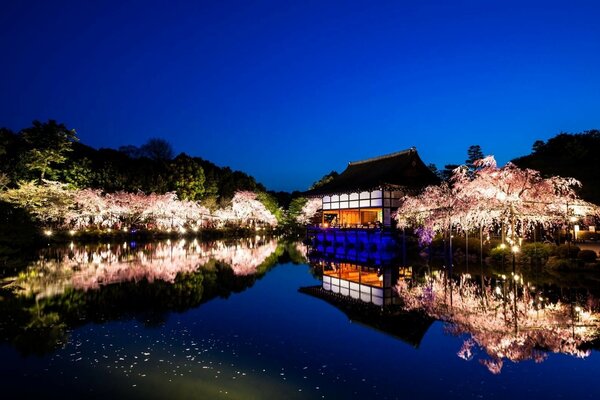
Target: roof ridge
column 412, row 149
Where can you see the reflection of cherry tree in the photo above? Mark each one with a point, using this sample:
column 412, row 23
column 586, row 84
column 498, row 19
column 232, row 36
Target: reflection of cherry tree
column 245, row 260
column 84, row 269
column 507, row 322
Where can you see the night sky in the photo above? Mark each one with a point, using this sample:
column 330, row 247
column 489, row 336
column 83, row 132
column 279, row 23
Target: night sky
column 288, row 91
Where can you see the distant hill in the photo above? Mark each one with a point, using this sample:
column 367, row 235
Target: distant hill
column 569, row 155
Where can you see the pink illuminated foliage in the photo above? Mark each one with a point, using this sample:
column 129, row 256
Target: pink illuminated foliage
column 308, row 211
column 508, row 322
column 89, row 269
column 492, row 195
column 55, row 204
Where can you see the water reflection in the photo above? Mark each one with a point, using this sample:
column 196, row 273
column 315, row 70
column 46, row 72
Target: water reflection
column 69, row 286
column 90, row 267
column 362, row 286
column 499, row 318
column 505, row 317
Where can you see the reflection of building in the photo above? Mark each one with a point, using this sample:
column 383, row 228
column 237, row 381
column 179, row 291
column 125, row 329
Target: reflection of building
column 366, row 294
column 368, row 284
column 367, row 193
column 368, row 277
column 410, row 327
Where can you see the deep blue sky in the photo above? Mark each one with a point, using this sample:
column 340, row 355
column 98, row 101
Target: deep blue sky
column 289, row 92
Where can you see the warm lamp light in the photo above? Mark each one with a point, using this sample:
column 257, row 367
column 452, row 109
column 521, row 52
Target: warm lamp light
column 515, row 249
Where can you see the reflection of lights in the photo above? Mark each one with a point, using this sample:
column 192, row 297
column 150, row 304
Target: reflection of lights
column 539, row 327
column 48, row 232
column 515, row 249
column 517, row 278
column 503, row 277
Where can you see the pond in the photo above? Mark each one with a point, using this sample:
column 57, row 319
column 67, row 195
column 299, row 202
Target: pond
column 265, row 318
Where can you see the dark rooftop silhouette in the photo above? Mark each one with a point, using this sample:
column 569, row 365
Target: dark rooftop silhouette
column 401, row 169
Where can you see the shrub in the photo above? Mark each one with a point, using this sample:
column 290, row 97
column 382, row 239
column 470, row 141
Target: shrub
column 567, row 251
column 537, row 251
column 496, row 254
column 560, row 263
column 587, row 256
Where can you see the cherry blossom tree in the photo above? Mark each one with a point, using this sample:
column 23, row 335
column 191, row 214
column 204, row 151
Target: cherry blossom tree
column 508, row 196
column 308, row 211
column 246, row 209
column 49, row 202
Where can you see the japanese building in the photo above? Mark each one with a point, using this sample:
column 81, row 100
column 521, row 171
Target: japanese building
column 367, row 193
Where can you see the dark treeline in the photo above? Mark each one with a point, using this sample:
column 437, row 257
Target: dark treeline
column 52, row 151
column 574, row 155
column 569, row 155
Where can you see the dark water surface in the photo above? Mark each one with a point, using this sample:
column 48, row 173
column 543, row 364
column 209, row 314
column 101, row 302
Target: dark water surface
column 227, row 320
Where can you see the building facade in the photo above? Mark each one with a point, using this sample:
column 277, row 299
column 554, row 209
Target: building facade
column 368, row 192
